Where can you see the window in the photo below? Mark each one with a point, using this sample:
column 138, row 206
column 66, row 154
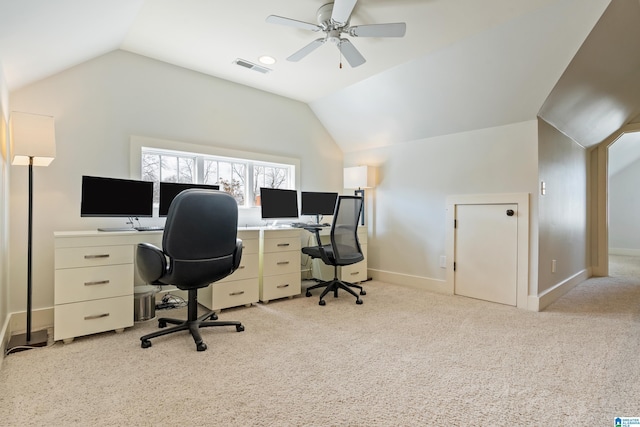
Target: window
column 240, row 177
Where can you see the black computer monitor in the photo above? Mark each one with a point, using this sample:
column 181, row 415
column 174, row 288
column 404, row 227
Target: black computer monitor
column 113, row 197
column 277, row 203
column 169, row 190
column 318, row 203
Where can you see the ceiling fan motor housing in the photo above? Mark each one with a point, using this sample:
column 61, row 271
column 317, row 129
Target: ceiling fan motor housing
column 324, row 17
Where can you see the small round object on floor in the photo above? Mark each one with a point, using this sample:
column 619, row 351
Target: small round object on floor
column 322, row 302
column 145, row 344
column 358, row 301
column 201, row 346
column 239, row 328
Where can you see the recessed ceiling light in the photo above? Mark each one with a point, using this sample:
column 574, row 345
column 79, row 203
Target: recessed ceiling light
column 267, row 60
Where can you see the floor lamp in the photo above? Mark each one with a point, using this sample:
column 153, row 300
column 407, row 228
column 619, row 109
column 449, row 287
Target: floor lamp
column 359, row 177
column 33, row 143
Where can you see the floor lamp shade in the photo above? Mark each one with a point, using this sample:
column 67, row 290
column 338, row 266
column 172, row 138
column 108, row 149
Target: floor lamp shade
column 33, row 143
column 32, row 137
column 359, row 177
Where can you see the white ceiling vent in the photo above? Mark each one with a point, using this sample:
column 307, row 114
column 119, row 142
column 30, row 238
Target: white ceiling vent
column 252, row 66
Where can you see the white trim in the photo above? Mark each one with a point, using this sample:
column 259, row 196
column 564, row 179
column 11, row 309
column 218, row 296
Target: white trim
column 414, row 282
column 542, row 301
column 522, row 200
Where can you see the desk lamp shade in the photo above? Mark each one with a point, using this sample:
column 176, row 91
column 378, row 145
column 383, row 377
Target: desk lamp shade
column 33, row 143
column 32, row 136
column 359, row 177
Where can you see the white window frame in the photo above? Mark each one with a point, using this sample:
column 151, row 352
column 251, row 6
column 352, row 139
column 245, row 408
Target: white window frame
column 137, row 143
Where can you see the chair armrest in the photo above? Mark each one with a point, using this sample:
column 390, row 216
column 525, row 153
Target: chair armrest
column 151, row 262
column 237, row 255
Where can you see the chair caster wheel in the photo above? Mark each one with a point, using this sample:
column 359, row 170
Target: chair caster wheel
column 145, row 344
column 162, row 324
column 308, row 294
column 201, row 346
column 358, row 301
column 239, row 328
column 322, row 302
column 213, row 316
column 363, row 292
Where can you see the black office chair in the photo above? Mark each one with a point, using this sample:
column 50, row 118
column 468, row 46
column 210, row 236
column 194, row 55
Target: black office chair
column 199, row 247
column 344, row 248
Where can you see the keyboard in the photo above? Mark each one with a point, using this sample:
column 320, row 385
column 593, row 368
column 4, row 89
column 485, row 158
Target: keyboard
column 308, row 224
column 150, row 228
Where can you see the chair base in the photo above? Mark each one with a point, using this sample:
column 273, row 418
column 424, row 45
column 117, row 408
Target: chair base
column 333, row 286
column 193, row 324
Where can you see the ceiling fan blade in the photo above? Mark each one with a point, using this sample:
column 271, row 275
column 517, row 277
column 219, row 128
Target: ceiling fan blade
column 350, row 53
column 342, row 10
column 274, row 19
column 397, row 29
column 306, row 50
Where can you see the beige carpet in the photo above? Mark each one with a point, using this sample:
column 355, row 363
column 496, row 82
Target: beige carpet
column 403, row 358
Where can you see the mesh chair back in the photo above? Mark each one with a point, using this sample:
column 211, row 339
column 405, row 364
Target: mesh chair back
column 344, row 230
column 200, row 237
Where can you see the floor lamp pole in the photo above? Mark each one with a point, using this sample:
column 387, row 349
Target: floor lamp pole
column 39, row 338
column 29, row 243
column 360, row 192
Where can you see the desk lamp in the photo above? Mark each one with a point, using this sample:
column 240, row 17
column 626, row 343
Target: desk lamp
column 359, row 177
column 33, row 143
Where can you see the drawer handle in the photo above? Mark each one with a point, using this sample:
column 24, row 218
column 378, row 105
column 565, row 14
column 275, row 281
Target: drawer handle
column 233, row 294
column 283, row 244
column 283, row 262
column 97, row 282
column 96, row 316
column 286, row 285
column 96, row 256
column 355, row 272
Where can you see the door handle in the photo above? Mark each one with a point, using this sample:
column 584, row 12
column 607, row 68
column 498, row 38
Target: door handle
column 510, row 212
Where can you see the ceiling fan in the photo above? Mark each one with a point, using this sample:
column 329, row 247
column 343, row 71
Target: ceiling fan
column 334, row 20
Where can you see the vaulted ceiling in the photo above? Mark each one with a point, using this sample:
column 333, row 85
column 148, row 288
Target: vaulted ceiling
column 462, row 65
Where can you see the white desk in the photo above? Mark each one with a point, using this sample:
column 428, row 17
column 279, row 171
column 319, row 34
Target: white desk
column 95, row 276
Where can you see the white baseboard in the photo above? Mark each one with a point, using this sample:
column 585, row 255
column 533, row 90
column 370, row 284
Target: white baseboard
column 542, row 301
column 624, row 251
column 416, row 282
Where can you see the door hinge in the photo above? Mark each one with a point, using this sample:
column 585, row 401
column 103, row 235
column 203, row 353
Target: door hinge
column 455, row 223
column 454, row 266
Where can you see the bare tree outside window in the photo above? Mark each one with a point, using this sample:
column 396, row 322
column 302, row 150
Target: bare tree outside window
column 232, row 176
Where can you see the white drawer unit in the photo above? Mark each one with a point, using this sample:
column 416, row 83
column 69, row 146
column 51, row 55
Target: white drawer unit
column 279, row 264
column 353, row 273
column 356, row 272
column 94, row 279
column 241, row 287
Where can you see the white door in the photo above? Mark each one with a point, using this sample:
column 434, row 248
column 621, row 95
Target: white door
column 486, row 252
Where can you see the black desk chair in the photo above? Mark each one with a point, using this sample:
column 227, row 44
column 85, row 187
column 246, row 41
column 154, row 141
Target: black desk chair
column 344, row 248
column 199, row 246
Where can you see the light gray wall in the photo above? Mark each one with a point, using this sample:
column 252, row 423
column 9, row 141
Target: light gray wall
column 407, row 209
column 624, row 205
column 4, row 206
column 563, row 209
column 99, row 104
